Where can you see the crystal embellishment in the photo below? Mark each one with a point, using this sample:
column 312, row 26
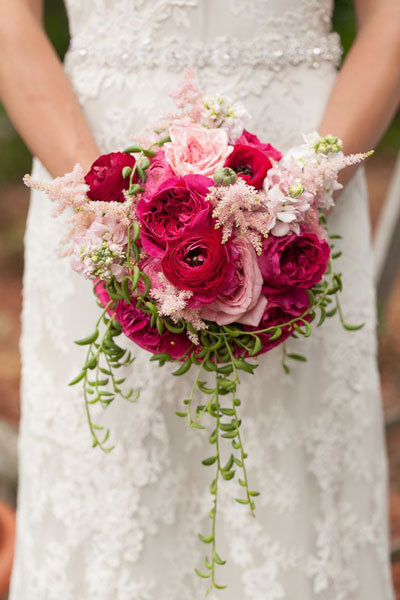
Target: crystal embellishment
column 223, row 53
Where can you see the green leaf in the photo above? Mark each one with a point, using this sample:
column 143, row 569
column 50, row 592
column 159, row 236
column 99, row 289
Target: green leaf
column 227, row 427
column 311, row 298
column 353, row 327
column 174, row 328
column 135, row 278
column 229, row 434
column 209, row 461
column 149, row 153
column 126, row 171
column 145, row 163
column 242, row 365
column 202, row 575
column 184, row 368
column 206, row 540
column 90, row 339
column 285, row 368
column 219, row 587
column 217, row 558
column 242, row 500
column 213, row 486
column 228, row 475
column 195, row 425
column 257, row 346
column 180, row 414
column 147, row 283
column 141, row 173
column 276, row 335
column 322, row 317
column 254, row 493
column 135, row 189
column 298, row 357
column 135, row 232
column 78, row 378
column 161, row 356
column 229, row 464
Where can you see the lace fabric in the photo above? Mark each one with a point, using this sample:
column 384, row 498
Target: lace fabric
column 123, row 526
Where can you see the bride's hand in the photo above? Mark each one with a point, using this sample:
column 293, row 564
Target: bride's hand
column 367, row 91
column 36, row 92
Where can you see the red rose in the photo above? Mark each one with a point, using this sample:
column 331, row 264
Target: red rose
column 294, row 260
column 178, row 202
column 199, row 262
column 282, row 306
column 248, row 139
column 250, row 163
column 105, row 177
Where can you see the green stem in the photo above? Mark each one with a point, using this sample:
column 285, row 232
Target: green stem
column 243, row 454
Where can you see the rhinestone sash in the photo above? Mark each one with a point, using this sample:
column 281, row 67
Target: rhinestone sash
column 223, row 53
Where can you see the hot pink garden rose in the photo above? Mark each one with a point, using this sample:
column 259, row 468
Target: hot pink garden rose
column 196, row 149
column 177, row 204
column 136, row 326
column 282, row 306
column 294, row 260
column 246, row 305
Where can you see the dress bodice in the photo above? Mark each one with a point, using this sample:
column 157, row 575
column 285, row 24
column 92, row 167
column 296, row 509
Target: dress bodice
column 133, row 21
column 222, row 33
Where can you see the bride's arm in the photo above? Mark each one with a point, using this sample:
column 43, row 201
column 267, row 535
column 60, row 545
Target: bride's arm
column 367, row 91
column 37, row 94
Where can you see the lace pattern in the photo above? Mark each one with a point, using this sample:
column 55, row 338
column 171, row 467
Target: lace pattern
column 123, row 526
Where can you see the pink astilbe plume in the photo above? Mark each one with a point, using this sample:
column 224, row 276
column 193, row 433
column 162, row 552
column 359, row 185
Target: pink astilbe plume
column 68, row 191
column 241, row 207
column 188, row 96
column 188, row 99
column 172, row 303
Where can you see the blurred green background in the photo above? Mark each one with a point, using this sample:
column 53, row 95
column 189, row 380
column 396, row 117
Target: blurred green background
column 15, row 158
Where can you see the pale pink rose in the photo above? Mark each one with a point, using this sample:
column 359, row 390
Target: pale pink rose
column 247, row 304
column 196, row 149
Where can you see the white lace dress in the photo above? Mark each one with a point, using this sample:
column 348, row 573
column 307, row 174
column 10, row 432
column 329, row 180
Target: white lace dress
column 123, row 526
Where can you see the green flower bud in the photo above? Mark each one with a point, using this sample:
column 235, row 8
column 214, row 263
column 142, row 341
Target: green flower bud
column 126, row 171
column 225, row 176
column 295, row 190
column 329, row 144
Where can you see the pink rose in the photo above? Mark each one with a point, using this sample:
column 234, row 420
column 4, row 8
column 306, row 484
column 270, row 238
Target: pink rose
column 158, row 172
column 196, row 149
column 245, row 305
column 294, row 260
column 136, row 327
column 167, row 214
column 248, row 139
column 282, row 306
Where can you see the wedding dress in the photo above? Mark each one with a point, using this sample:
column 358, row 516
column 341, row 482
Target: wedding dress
column 123, row 526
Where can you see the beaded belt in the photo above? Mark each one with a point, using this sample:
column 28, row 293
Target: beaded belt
column 221, row 54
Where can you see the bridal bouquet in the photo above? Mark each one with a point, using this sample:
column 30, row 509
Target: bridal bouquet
column 207, row 247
